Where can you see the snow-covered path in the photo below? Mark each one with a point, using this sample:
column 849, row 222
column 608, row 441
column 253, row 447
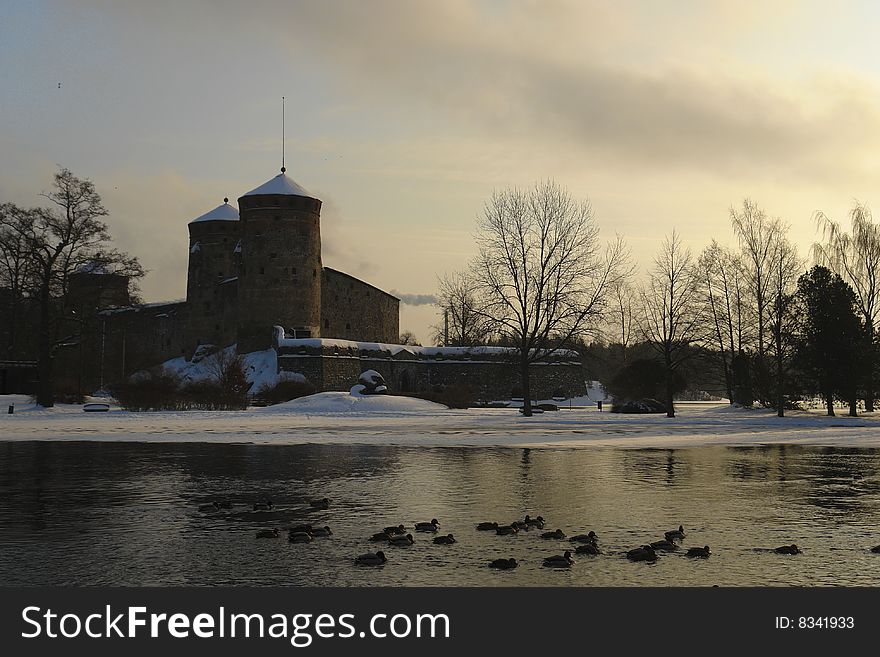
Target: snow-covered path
column 334, row 418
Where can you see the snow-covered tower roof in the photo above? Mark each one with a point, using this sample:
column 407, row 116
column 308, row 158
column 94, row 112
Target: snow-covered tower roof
column 281, row 184
column 224, row 212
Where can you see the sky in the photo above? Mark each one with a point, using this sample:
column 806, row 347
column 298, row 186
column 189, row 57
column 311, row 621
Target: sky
column 404, row 116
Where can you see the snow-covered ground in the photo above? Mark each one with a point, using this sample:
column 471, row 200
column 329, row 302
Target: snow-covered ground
column 342, row 418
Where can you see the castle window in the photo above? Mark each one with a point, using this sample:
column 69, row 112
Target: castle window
column 294, row 271
column 216, row 327
column 273, row 255
column 347, row 326
column 326, row 323
column 262, row 270
column 219, row 274
column 314, row 273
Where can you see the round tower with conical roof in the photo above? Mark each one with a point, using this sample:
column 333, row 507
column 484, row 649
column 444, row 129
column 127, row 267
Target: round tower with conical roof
column 213, row 266
column 280, row 275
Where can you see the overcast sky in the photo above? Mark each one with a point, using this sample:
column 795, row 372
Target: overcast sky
column 404, row 116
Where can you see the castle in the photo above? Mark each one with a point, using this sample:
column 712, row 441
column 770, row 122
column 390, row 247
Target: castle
column 255, row 279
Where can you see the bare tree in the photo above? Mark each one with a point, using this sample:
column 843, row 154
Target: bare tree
column 461, row 324
column 855, row 257
column 670, row 319
column 621, row 316
column 757, row 234
column 14, row 267
column 408, row 338
column 542, row 273
column 782, row 316
column 720, row 278
column 60, row 240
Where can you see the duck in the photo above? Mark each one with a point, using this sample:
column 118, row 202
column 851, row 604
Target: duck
column 503, row 564
column 427, row 526
column 557, row 535
column 644, row 553
column 321, row 531
column 587, row 548
column 788, row 549
column 702, row 552
column 401, row 540
column 487, row 526
column 506, row 530
column 299, row 537
column 380, row 537
column 559, row 560
column 449, row 539
column 216, row 505
column 267, row 533
column 264, row 505
column 370, row 559
column 876, row 549
column 322, row 503
column 675, row 534
column 300, row 528
column 585, row 538
column 664, row 545
column 538, row 522
column 392, row 531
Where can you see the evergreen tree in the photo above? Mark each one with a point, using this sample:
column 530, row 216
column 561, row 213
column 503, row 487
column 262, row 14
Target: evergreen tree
column 830, row 339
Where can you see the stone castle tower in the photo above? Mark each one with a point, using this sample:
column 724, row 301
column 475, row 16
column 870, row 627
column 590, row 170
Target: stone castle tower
column 214, row 252
column 279, row 280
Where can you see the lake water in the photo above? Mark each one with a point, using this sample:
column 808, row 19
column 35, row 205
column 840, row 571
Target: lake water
column 128, row 514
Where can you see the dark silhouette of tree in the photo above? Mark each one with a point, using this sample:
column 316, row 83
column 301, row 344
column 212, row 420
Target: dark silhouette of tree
column 461, row 323
column 61, row 239
column 829, row 342
column 542, row 274
column 855, row 256
column 671, row 317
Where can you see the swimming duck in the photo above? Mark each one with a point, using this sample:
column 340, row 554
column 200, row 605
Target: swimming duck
column 675, row 534
column 323, row 503
column 401, row 540
column 487, row 526
column 370, row 559
column 788, row 549
column 702, row 552
column 664, row 545
column 427, row 526
column 506, row 530
column 559, row 560
column 557, row 535
column 587, row 548
column 503, row 564
column 538, row 522
column 321, row 531
column 449, row 539
column 644, row 553
column 380, row 536
column 264, row 505
column 392, row 531
column 267, row 533
column 585, row 538
column 216, row 505
column 300, row 528
column 299, row 537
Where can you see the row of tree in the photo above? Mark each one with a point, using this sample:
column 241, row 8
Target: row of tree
column 773, row 332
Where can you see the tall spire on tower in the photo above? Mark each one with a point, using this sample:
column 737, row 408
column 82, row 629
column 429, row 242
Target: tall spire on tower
column 283, row 169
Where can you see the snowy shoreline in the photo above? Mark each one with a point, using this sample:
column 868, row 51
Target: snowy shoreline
column 414, row 423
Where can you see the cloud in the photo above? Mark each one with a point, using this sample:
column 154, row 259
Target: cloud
column 416, row 299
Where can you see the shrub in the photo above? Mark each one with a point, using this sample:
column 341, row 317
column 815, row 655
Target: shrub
column 154, row 390
column 643, row 378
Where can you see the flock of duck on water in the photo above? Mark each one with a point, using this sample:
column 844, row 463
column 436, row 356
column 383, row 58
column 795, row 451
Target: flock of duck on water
column 401, row 536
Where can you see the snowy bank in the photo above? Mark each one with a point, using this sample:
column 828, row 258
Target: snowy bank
column 418, row 423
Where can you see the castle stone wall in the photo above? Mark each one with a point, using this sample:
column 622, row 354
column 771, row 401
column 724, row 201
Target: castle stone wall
column 354, row 310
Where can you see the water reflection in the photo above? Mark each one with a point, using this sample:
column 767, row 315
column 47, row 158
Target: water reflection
column 116, row 513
